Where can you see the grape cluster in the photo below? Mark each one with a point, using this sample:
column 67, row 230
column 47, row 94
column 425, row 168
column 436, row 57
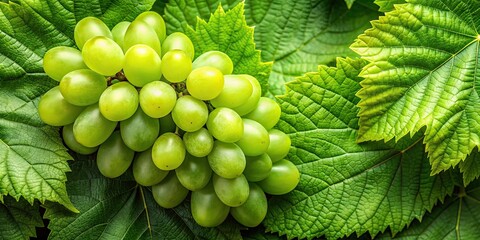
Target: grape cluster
column 139, row 98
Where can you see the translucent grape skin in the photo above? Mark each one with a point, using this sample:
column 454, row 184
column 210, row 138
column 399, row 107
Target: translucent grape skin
column 82, row 87
column 118, row 32
column 258, row 167
column 140, row 32
column 232, row 192
column 267, row 112
column 225, row 125
column 169, row 192
column 255, row 140
column 176, row 66
column 90, row 27
column 156, row 22
column 140, row 131
column 91, row 128
column 252, row 101
column 114, row 157
column 61, row 60
column 236, row 91
column 145, row 172
column 198, row 143
column 69, row 140
column 119, row 101
column 207, row 209
column 215, row 59
column 142, row 65
column 103, row 55
column 157, row 99
column 279, row 145
column 189, row 113
column 168, row 151
column 254, row 210
column 54, row 110
column 194, row 173
column 283, row 178
column 180, row 41
column 205, row 83
column 227, row 160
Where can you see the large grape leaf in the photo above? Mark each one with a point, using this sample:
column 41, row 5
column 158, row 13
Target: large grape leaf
column 457, row 218
column 387, row 5
column 346, row 187
column 296, row 36
column 121, row 209
column 423, row 72
column 19, row 219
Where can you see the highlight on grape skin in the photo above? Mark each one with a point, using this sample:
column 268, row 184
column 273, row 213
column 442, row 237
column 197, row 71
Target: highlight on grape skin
column 183, row 120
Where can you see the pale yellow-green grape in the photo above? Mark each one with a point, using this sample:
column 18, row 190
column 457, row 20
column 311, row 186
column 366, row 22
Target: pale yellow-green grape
column 119, row 101
column 267, row 112
column 216, row 59
column 258, row 167
column 169, row 192
column 252, row 101
column 227, row 159
column 254, row 210
column 207, row 209
column 194, row 173
column 180, row 41
column 82, row 87
column 139, row 32
column 189, row 113
column 91, row 128
column 232, row 192
column 114, row 157
column 176, row 66
column 54, row 110
column 205, row 83
column 157, row 99
column 71, row 142
column 168, row 151
column 142, row 65
column 237, row 89
column 90, row 27
column 61, row 60
column 119, row 31
column 255, row 140
column 279, row 145
column 103, row 55
column 283, row 178
column 156, row 22
column 140, row 131
column 225, row 125
column 144, row 170
column 198, row 143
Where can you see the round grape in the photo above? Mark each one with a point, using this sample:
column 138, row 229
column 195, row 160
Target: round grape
column 88, row 28
column 205, row 83
column 176, row 65
column 157, row 99
column 142, row 65
column 103, row 55
column 216, row 59
column 267, row 112
column 225, row 125
column 189, row 113
column 59, row 61
column 119, row 101
column 54, row 110
column 168, row 151
column 82, row 87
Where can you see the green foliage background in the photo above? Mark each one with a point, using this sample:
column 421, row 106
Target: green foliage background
column 380, row 100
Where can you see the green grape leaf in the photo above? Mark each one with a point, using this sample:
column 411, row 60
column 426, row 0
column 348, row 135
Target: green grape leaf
column 349, row 3
column 423, row 72
column 346, row 187
column 33, row 169
column 456, row 218
column 387, row 5
column 19, row 219
column 121, row 209
column 228, row 32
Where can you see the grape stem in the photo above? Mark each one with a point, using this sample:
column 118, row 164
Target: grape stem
column 119, row 77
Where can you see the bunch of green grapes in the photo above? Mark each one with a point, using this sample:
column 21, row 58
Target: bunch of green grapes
column 139, row 98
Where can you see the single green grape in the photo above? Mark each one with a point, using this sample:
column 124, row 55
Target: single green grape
column 252, row 101
column 283, row 178
column 255, row 139
column 119, row 101
column 194, row 173
column 156, row 22
column 118, row 32
column 232, row 192
column 140, row 131
column 61, row 60
column 207, row 209
column 89, row 27
column 103, row 55
column 216, row 59
column 257, row 167
column 82, row 87
column 54, row 110
column 145, row 172
column 168, row 151
column 225, row 125
column 157, row 99
column 279, row 145
column 170, row 192
column 140, row 32
column 91, row 128
column 205, row 83
column 189, row 113
column 176, row 65
column 254, row 210
column 114, row 157
column 142, row 65
column 267, row 112
column 227, row 159
column 69, row 139
column 180, row 41
column 198, row 143
column 236, row 91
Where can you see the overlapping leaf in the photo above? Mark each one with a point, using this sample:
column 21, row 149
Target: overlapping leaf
column 19, row 219
column 346, row 187
column 121, row 209
column 388, row 5
column 423, row 71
